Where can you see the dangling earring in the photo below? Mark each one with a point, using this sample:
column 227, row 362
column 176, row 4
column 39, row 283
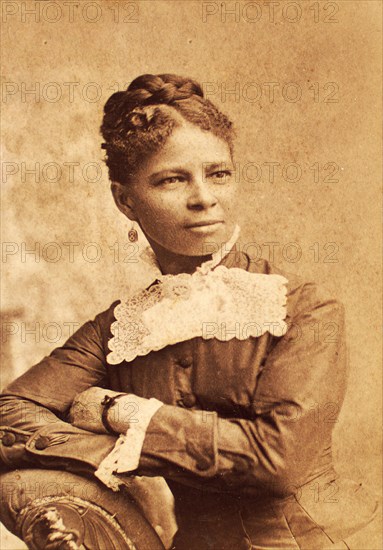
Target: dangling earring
column 133, row 235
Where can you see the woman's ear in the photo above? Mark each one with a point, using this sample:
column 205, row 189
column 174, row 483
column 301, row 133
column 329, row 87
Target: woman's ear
column 122, row 199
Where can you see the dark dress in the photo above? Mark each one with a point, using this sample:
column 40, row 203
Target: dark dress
column 243, row 438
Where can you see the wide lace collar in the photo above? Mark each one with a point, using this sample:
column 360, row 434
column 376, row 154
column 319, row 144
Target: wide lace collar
column 213, row 302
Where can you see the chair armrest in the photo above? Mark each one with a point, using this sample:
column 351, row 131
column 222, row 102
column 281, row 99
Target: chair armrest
column 58, row 510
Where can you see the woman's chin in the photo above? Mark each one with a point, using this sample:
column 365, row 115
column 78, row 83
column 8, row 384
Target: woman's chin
column 203, row 240
column 195, row 241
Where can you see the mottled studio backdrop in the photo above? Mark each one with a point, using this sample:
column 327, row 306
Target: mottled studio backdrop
column 300, row 80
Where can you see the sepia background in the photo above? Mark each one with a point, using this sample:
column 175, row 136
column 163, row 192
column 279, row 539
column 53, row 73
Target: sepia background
column 300, row 80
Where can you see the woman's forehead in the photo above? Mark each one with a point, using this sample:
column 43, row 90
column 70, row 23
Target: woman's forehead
column 189, row 144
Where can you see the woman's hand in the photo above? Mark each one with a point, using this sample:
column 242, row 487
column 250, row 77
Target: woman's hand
column 86, row 410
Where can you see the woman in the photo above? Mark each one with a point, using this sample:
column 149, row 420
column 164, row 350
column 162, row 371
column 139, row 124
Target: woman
column 209, row 377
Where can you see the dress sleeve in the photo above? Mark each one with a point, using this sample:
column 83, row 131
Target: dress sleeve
column 33, row 408
column 297, row 399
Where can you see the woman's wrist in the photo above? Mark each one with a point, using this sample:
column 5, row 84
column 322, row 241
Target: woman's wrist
column 108, row 403
column 130, row 416
column 106, row 411
column 130, row 412
column 122, row 413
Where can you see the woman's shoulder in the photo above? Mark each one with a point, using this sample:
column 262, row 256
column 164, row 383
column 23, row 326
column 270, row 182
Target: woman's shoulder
column 302, row 293
column 104, row 319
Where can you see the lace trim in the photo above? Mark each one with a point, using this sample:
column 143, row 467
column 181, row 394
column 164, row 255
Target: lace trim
column 221, row 303
column 125, row 456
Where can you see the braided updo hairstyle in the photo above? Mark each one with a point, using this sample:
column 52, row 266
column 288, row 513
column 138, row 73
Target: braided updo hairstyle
column 138, row 121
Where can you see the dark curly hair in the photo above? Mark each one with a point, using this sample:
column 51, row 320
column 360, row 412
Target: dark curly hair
column 138, row 121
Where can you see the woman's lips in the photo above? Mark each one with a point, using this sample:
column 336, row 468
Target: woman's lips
column 205, row 227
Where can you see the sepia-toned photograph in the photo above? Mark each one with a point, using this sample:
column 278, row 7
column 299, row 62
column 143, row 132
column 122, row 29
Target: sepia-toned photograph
column 191, row 267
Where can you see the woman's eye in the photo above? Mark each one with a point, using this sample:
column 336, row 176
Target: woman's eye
column 222, row 176
column 171, row 180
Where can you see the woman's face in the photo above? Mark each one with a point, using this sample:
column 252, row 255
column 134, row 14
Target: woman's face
column 183, row 196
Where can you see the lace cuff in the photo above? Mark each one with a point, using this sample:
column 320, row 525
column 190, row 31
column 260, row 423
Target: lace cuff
column 125, row 456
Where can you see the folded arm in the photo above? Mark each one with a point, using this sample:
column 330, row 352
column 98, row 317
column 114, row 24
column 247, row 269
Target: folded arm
column 33, row 409
column 296, row 403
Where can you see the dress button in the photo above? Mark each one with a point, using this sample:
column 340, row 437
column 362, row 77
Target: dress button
column 241, row 466
column 189, row 400
column 185, row 362
column 8, row 439
column 203, row 464
column 42, row 442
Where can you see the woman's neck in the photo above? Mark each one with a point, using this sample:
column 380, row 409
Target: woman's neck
column 173, row 264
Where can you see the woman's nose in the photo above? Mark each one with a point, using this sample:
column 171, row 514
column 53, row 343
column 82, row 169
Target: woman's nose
column 201, row 197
